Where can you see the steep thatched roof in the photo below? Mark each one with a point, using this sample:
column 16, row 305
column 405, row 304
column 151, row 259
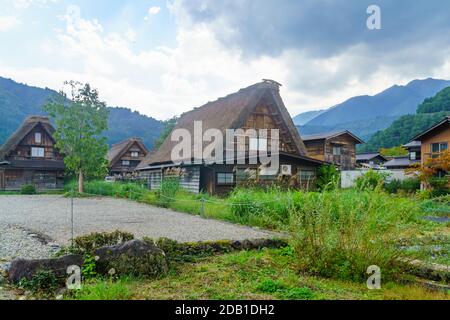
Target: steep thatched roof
column 119, row 149
column 27, row 126
column 229, row 112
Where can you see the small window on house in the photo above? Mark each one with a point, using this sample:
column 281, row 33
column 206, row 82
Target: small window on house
column 126, row 163
column 225, row 178
column 307, row 175
column 37, row 152
column 337, row 150
column 412, row 156
column 135, row 154
column 37, row 137
column 439, row 147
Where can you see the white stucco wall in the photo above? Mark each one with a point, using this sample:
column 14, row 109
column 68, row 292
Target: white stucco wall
column 348, row 178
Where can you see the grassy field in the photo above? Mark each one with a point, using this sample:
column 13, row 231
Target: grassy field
column 335, row 235
column 265, row 274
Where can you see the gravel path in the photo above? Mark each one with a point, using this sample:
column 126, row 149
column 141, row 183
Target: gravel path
column 50, row 215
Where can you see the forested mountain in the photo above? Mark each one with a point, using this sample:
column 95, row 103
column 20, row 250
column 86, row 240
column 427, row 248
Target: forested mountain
column 431, row 111
column 18, row 101
column 365, row 115
column 305, row 117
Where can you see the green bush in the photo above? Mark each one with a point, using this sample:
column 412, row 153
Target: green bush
column 410, row 186
column 340, row 234
column 371, row 180
column 42, row 282
column 93, row 241
column 28, row 189
column 328, row 177
column 271, row 286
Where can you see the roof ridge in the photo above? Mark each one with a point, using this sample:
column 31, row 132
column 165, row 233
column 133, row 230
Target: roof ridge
column 258, row 85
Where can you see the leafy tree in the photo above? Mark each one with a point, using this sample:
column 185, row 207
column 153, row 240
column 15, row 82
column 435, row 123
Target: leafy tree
column 394, row 152
column 80, row 121
column 432, row 166
column 169, row 125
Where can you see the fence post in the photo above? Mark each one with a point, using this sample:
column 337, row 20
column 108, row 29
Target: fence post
column 71, row 216
column 202, row 210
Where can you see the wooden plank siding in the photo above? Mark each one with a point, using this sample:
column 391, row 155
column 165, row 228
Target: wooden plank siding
column 20, row 167
column 440, row 135
column 23, row 149
column 189, row 181
column 118, row 167
column 322, row 149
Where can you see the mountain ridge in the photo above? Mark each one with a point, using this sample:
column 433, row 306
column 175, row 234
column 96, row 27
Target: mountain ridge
column 381, row 109
column 18, row 101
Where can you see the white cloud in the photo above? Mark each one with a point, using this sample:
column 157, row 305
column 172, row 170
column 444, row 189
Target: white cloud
column 163, row 82
column 154, row 10
column 8, row 22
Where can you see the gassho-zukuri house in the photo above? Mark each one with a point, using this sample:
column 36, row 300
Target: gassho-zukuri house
column 29, row 157
column 257, row 107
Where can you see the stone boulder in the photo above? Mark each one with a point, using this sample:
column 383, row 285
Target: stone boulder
column 135, row 257
column 26, row 269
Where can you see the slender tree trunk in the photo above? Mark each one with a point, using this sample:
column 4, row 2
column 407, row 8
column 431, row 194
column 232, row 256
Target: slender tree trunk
column 80, row 182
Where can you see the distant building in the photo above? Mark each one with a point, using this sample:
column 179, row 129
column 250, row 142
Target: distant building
column 338, row 148
column 414, row 150
column 434, row 140
column 370, row 160
column 29, row 157
column 400, row 163
column 259, row 106
column 125, row 156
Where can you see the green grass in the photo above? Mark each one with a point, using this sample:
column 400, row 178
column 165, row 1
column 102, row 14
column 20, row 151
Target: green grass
column 99, row 289
column 260, row 275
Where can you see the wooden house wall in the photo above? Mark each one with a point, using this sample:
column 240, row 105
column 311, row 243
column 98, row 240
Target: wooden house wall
column 23, row 149
column 316, row 149
column 347, row 159
column 189, row 181
column 117, row 167
column 43, row 180
column 323, row 150
column 440, row 135
column 265, row 116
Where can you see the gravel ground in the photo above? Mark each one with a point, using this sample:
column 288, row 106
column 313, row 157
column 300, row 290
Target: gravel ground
column 15, row 243
column 50, row 215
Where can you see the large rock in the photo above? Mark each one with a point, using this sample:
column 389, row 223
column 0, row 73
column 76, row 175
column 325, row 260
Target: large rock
column 26, row 269
column 134, row 257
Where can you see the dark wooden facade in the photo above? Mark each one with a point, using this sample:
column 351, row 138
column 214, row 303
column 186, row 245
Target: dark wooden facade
column 370, row 160
column 125, row 156
column 256, row 107
column 338, row 148
column 29, row 157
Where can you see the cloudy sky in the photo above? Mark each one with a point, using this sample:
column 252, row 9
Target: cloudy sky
column 165, row 57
